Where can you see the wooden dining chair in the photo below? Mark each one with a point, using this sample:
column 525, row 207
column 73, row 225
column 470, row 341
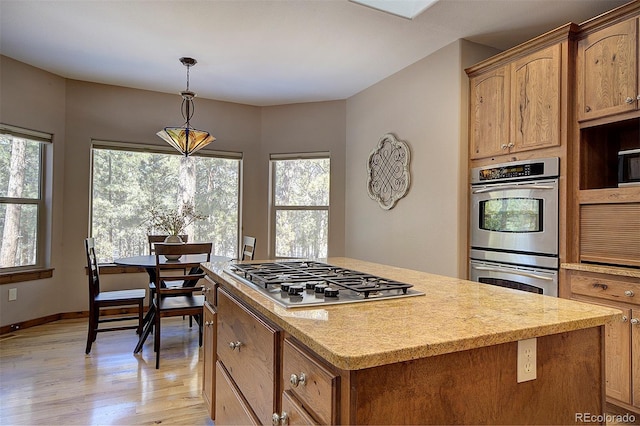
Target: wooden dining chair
column 248, row 248
column 99, row 301
column 171, row 301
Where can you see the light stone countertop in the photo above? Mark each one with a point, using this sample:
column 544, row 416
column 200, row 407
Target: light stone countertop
column 454, row 315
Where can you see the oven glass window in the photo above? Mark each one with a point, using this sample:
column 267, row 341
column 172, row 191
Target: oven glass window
column 511, row 284
column 511, row 215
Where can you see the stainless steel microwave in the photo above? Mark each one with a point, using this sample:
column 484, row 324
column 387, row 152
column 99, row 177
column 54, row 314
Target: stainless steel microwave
column 629, row 167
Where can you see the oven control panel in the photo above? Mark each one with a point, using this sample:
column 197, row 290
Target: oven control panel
column 539, row 168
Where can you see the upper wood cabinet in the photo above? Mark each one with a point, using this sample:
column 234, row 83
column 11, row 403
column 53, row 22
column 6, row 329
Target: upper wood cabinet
column 516, row 107
column 607, row 71
column 535, row 100
column 489, row 119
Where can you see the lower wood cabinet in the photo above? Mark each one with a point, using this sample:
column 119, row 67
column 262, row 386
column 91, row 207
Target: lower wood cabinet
column 209, row 353
column 231, row 406
column 248, row 350
column 622, row 338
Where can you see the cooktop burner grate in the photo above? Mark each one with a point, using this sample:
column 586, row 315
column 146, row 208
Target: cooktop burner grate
column 307, row 283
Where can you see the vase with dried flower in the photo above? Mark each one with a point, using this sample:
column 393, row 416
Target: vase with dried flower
column 172, row 222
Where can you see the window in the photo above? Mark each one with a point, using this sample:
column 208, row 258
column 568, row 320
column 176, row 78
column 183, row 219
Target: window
column 300, row 200
column 23, row 214
column 127, row 182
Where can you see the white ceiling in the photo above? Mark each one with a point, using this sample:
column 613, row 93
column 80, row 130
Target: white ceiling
column 260, row 52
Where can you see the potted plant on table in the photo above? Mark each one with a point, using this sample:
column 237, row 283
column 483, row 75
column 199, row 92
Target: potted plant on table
column 172, row 222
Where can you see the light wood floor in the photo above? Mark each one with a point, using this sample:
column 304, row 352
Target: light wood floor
column 46, row 378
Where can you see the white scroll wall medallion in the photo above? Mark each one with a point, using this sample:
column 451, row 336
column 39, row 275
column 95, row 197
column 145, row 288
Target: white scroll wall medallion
column 388, row 171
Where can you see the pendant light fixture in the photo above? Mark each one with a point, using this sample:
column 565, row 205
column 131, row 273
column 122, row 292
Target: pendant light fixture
column 186, row 139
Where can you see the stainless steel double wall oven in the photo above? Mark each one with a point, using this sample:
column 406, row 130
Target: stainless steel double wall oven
column 514, row 225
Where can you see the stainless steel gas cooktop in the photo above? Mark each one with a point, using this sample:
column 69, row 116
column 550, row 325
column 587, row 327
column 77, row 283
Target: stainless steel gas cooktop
column 311, row 283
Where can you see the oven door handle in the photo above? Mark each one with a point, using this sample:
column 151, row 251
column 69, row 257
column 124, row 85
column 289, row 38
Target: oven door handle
column 500, row 188
column 524, row 274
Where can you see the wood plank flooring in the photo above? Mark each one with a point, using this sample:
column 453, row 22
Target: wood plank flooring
column 46, row 378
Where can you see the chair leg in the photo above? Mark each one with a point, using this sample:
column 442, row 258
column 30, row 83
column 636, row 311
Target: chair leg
column 156, row 339
column 90, row 333
column 140, row 317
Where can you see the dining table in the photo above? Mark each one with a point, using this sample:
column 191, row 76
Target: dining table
column 148, row 262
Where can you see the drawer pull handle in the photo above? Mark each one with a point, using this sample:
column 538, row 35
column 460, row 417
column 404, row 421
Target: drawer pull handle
column 603, row 286
column 235, row 345
column 635, row 321
column 280, row 419
column 628, row 293
column 298, row 379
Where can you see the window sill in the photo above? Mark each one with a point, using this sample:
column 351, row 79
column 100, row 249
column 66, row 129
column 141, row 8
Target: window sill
column 31, row 275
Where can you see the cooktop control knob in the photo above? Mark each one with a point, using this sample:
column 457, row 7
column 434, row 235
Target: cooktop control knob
column 319, row 288
column 331, row 292
column 295, row 290
column 285, row 287
column 311, row 285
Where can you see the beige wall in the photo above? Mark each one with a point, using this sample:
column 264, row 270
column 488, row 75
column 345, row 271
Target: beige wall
column 425, row 105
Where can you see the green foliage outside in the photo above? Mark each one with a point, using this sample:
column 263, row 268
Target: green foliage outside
column 127, row 185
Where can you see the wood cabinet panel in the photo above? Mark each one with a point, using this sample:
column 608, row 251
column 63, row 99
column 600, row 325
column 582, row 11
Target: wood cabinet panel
column 231, row 408
column 635, row 359
column 295, row 413
column 608, row 71
column 609, row 233
column 489, row 115
column 617, row 355
column 247, row 348
column 318, row 392
column 535, row 100
column 209, row 355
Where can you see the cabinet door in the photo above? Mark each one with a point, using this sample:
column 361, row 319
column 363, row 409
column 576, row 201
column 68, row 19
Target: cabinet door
column 209, row 354
column 617, row 350
column 489, row 114
column 535, row 100
column 231, row 407
column 295, row 413
column 608, row 71
column 635, row 356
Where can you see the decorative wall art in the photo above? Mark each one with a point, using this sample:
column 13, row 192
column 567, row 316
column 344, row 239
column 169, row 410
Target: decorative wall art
column 388, row 171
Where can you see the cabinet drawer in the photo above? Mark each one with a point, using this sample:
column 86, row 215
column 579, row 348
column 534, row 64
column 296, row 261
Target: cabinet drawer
column 605, row 288
column 318, row 391
column 231, row 408
column 247, row 348
column 209, row 291
column 296, row 414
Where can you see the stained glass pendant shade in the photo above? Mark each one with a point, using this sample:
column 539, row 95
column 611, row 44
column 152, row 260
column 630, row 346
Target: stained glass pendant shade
column 186, row 139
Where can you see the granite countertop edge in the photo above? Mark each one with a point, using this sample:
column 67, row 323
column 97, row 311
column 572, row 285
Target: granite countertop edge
column 395, row 348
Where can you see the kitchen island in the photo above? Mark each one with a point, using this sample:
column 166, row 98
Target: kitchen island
column 448, row 357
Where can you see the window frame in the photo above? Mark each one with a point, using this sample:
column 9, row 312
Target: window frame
column 161, row 149
column 273, row 208
column 43, row 205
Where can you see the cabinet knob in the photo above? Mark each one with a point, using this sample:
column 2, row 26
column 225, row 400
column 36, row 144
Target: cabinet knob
column 511, row 145
column 206, row 290
column 280, row 419
column 587, row 108
column 235, row 345
column 635, row 321
column 638, row 97
column 624, row 318
column 629, row 100
column 503, row 146
column 298, row 379
column 628, row 293
column 208, row 323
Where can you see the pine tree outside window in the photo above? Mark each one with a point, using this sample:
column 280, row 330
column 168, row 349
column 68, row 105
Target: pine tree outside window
column 300, row 205
column 127, row 181
column 23, row 213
